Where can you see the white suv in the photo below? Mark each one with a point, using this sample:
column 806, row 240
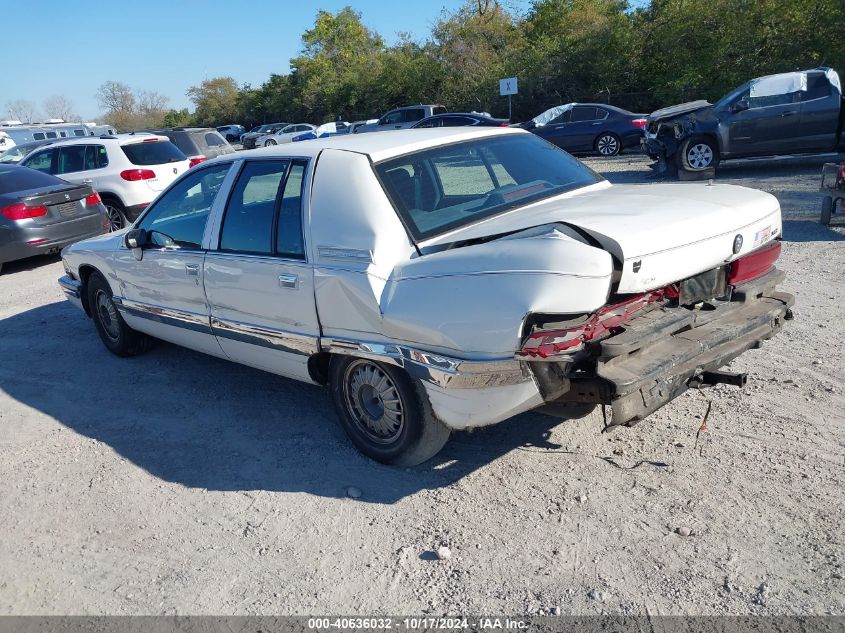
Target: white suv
column 128, row 170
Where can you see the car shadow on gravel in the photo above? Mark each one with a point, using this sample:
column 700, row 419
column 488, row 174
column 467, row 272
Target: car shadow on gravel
column 810, row 230
column 30, row 263
column 201, row 422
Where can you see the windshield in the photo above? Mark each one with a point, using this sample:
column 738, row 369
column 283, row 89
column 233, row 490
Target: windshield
column 733, row 95
column 440, row 189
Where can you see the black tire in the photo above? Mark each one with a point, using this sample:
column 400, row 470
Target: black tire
column 116, row 213
column 698, row 153
column 827, row 210
column 607, row 144
column 119, row 338
column 269, row 142
column 407, row 439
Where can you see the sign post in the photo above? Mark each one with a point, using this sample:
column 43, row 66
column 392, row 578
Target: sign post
column 508, row 86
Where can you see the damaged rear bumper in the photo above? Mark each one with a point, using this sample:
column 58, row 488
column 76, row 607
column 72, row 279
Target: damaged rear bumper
column 662, row 351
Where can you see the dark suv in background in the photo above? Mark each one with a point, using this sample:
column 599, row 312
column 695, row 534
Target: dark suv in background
column 197, row 143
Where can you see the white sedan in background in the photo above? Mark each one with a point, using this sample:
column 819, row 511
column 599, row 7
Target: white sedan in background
column 285, row 135
column 438, row 280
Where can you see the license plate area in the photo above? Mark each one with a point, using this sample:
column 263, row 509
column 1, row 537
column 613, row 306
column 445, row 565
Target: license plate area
column 710, row 284
column 66, row 209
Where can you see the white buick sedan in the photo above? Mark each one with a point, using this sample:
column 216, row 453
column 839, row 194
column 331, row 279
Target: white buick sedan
column 439, row 280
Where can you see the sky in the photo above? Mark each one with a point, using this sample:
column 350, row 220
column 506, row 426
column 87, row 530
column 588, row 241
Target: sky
column 170, row 45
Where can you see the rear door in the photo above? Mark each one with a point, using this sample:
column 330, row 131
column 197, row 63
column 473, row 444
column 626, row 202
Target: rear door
column 585, row 125
column 260, row 287
column 820, row 105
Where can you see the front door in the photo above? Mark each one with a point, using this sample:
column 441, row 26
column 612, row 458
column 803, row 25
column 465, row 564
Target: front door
column 259, row 286
column 770, row 125
column 162, row 294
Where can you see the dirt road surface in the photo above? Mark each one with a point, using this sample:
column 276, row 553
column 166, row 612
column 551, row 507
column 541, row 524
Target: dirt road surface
column 175, row 483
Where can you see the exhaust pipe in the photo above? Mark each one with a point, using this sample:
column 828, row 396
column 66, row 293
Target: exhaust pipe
column 709, row 378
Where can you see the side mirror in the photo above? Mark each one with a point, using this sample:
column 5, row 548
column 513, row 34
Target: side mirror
column 740, row 105
column 136, row 238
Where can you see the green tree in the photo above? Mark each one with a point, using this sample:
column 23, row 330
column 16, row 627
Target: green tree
column 215, row 101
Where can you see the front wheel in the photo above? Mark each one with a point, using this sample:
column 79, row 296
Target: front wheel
column 608, row 144
column 698, row 153
column 384, row 412
column 269, row 142
column 119, row 338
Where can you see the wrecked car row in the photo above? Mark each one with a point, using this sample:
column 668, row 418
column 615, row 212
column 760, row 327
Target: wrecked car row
column 788, row 113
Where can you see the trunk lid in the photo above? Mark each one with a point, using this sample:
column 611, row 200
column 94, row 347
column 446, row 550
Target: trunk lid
column 658, row 234
column 63, row 203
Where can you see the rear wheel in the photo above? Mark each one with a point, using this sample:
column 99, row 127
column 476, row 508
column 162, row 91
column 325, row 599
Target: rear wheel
column 698, row 153
column 119, row 338
column 384, row 412
column 116, row 214
column 827, row 210
column 608, row 144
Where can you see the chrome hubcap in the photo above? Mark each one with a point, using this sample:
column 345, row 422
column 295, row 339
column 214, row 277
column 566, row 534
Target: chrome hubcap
column 107, row 314
column 115, row 219
column 700, row 156
column 608, row 145
column 373, row 401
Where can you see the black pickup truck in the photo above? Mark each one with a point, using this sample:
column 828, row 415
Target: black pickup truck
column 789, row 113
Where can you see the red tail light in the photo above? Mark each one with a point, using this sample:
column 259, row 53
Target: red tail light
column 94, row 198
column 601, row 324
column 504, row 124
column 137, row 174
column 754, row 264
column 640, row 123
column 196, row 160
column 841, row 171
column 20, row 211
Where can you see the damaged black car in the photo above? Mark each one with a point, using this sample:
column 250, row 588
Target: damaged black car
column 788, row 113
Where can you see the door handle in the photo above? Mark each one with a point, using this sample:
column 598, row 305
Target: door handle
column 192, row 270
column 87, row 181
column 789, row 113
column 288, row 281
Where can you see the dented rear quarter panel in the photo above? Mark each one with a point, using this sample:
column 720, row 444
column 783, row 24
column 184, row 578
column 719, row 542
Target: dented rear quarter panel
column 469, row 302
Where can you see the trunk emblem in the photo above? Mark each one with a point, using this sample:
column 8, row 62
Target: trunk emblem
column 637, row 265
column 737, row 243
column 67, row 196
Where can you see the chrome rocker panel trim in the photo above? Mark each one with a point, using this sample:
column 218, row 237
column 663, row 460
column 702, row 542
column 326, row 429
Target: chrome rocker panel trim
column 167, row 316
column 274, row 339
column 452, row 373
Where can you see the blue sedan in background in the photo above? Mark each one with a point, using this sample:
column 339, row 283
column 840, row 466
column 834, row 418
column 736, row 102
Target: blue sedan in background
column 589, row 127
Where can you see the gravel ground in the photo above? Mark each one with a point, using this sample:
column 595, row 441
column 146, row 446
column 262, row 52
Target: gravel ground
column 175, row 483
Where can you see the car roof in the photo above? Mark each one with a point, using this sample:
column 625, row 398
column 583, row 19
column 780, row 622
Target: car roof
column 120, row 139
column 379, row 146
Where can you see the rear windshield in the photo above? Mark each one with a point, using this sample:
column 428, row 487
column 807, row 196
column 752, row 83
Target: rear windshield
column 22, row 179
column 183, row 141
column 152, row 153
column 440, row 189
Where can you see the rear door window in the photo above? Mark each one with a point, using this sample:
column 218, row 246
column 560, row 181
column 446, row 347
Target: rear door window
column 391, row 118
column 413, row 114
column 583, row 113
column 289, row 227
column 456, row 121
column 818, row 87
column 212, row 139
column 152, row 153
column 96, row 157
column 71, row 159
column 250, row 213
